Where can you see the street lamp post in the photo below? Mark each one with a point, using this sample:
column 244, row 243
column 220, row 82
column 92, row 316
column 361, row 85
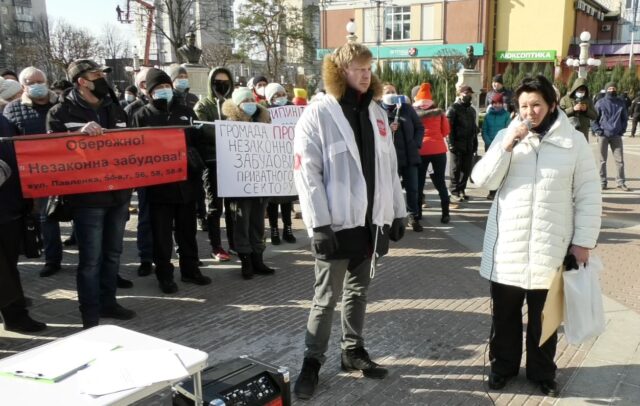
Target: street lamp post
column 351, row 29
column 583, row 62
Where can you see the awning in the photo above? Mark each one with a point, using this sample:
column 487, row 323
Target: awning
column 596, row 50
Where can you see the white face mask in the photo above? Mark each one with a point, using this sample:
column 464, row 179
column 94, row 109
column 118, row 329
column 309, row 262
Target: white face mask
column 390, row 99
column 260, row 91
column 579, row 94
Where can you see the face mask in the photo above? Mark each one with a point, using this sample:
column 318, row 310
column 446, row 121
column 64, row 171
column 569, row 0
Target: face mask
column 163, row 94
column 249, row 108
column 280, row 101
column 100, row 88
column 130, row 98
column 221, row 87
column 260, row 91
column 181, row 84
column 613, row 94
column 579, row 95
column 390, row 99
column 38, row 90
column 466, row 99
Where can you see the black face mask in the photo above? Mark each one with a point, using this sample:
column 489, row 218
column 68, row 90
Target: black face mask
column 160, row 104
column 546, row 123
column 221, row 87
column 100, row 88
column 466, row 99
column 612, row 94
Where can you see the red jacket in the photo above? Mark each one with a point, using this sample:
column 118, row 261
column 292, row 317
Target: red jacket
column 436, row 127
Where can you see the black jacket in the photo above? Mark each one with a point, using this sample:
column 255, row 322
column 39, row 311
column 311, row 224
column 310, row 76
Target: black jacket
column 71, row 115
column 28, row 117
column 408, row 139
column 12, row 204
column 463, row 137
column 177, row 114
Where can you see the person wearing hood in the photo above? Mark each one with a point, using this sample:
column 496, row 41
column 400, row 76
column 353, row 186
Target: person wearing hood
column 248, row 212
column 210, row 109
column 180, row 77
column 609, row 126
column 258, row 87
column 99, row 217
column 433, row 151
column 346, row 175
column 496, row 119
column 142, row 99
column 462, row 141
column 407, row 131
column 172, row 205
column 578, row 106
column 548, row 205
column 130, row 95
column 276, row 96
column 29, row 114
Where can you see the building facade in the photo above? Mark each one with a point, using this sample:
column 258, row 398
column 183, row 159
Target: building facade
column 21, row 21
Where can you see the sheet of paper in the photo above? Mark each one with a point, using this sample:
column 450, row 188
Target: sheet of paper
column 126, row 369
column 58, row 360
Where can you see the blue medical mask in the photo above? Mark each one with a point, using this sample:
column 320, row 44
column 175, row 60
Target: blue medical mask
column 181, row 84
column 280, row 101
column 163, row 94
column 390, row 99
column 38, row 90
column 249, row 108
column 129, row 98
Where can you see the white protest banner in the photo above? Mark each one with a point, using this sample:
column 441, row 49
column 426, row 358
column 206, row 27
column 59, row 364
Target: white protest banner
column 254, row 159
column 286, row 115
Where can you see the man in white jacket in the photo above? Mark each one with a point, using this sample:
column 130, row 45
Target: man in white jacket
column 548, row 204
column 347, row 179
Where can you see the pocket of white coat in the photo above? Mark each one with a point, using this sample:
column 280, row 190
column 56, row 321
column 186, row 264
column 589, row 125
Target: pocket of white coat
column 337, row 148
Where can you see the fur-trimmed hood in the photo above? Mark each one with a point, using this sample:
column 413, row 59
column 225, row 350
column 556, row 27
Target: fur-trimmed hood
column 26, row 99
column 336, row 85
column 429, row 113
column 235, row 113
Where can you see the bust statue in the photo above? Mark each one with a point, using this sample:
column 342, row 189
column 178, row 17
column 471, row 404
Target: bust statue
column 470, row 60
column 190, row 53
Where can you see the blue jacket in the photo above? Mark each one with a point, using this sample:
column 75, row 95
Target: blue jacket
column 29, row 118
column 12, row 204
column 612, row 117
column 494, row 121
column 408, row 139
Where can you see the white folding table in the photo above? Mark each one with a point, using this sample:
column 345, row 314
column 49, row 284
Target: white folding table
column 25, row 391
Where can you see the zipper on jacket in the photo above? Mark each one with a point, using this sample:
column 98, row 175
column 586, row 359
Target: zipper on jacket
column 533, row 208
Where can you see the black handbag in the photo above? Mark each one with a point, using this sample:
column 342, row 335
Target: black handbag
column 58, row 209
column 32, row 238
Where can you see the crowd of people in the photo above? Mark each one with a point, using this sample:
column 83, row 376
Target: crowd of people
column 358, row 145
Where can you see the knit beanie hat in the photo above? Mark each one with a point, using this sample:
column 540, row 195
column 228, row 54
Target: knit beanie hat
column 141, row 77
column 498, row 78
column 271, row 89
column 132, row 90
column 175, row 70
column 9, row 88
column 259, row 78
column 497, row 98
column 8, row 72
column 156, row 77
column 610, row 84
column 424, row 93
column 241, row 94
column 300, row 92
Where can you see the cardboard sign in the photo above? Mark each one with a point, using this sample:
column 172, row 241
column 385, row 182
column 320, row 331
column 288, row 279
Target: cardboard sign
column 254, row 159
column 62, row 165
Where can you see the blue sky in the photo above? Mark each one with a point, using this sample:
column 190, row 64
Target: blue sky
column 89, row 14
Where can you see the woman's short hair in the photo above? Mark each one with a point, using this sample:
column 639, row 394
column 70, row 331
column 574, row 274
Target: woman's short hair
column 538, row 84
column 349, row 52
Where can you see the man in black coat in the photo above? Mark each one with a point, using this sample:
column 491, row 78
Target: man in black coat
column 463, row 142
column 172, row 205
column 407, row 132
column 99, row 217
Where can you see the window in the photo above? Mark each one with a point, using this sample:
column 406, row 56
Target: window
column 432, row 22
column 399, row 66
column 397, row 24
column 426, row 65
column 370, row 25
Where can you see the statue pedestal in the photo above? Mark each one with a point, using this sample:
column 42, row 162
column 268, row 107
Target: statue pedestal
column 471, row 78
column 198, row 80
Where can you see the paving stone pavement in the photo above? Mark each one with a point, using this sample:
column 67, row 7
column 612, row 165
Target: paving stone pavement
column 428, row 321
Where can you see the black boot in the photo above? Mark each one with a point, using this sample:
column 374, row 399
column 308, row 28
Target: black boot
column 287, row 234
column 307, row 381
column 247, row 267
column 275, row 236
column 196, row 277
column 123, row 283
column 358, row 359
column 258, row 265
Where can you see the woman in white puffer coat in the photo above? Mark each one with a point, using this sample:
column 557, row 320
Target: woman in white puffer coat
column 548, row 204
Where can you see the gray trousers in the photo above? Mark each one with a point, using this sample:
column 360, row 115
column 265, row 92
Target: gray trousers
column 616, row 147
column 248, row 220
column 351, row 278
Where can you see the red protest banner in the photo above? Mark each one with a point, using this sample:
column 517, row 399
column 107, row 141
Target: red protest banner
column 55, row 164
